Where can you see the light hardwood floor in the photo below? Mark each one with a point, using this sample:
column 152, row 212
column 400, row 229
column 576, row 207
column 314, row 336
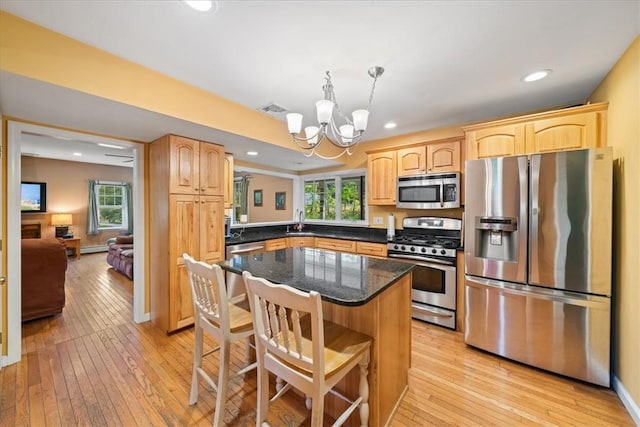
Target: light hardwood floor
column 93, row 366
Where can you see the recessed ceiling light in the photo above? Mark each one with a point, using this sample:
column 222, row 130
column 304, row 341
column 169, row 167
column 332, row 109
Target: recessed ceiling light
column 117, row 147
column 77, row 154
column 252, row 153
column 536, row 75
column 201, row 5
column 390, row 125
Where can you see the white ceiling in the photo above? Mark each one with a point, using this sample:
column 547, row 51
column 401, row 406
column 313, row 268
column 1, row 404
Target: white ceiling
column 447, row 62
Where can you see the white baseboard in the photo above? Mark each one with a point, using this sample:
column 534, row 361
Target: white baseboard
column 627, row 400
column 93, row 249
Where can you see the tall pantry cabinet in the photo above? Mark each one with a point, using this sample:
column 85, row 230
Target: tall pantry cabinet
column 187, row 215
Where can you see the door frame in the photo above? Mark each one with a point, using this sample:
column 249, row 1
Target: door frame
column 13, row 334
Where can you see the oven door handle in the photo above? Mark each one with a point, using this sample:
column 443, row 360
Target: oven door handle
column 431, row 312
column 419, row 258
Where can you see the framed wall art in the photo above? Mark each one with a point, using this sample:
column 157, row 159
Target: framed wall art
column 257, row 197
column 281, row 199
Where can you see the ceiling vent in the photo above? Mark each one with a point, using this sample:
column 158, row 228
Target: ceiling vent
column 273, row 109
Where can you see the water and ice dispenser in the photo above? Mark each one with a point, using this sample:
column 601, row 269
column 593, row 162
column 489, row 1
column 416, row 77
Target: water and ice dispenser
column 496, row 238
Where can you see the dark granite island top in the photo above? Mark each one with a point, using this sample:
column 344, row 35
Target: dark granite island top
column 340, row 278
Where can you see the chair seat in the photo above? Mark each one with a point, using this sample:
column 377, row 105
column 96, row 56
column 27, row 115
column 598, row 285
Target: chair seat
column 240, row 315
column 341, row 346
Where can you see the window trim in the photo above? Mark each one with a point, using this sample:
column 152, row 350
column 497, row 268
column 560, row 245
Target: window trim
column 337, row 175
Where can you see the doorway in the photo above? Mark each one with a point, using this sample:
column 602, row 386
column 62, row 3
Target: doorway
column 16, row 131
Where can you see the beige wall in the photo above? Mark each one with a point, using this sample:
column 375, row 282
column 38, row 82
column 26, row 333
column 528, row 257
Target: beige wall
column 269, row 186
column 621, row 88
column 67, row 191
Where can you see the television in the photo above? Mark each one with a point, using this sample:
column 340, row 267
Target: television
column 33, row 197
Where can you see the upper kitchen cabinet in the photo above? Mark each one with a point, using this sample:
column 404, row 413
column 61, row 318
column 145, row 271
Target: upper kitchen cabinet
column 498, row 141
column 566, row 129
column 432, row 157
column 412, row 160
column 228, row 180
column 381, row 178
column 443, row 156
column 195, row 167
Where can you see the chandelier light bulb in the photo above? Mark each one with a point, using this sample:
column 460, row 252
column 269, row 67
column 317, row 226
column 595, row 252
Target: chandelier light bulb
column 360, row 118
column 294, row 123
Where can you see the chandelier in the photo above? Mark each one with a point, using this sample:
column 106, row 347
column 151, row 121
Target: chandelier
column 345, row 136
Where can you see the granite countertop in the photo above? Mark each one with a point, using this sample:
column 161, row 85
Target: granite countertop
column 257, row 234
column 340, row 278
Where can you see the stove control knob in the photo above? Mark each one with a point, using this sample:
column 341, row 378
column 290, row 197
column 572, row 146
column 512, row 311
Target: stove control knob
column 424, row 250
column 443, row 252
column 433, row 251
column 395, row 247
column 412, row 249
column 403, row 247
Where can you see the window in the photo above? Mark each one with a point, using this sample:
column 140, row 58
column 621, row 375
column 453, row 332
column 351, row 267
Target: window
column 111, row 204
column 336, row 198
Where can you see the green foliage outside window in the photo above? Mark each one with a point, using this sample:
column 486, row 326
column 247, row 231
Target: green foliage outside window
column 110, row 206
column 321, row 201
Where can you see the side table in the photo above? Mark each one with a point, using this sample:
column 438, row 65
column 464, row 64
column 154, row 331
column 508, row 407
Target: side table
column 74, row 244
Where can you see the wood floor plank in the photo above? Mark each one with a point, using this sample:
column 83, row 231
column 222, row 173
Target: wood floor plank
column 92, row 365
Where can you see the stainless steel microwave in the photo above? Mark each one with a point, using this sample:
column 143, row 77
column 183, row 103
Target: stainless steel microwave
column 431, row 191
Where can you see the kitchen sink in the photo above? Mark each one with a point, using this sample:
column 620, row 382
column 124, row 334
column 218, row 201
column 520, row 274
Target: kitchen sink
column 299, row 233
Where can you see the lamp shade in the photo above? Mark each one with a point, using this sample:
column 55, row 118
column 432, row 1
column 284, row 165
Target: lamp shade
column 312, row 133
column 324, row 110
column 346, row 133
column 294, row 122
column 360, row 119
column 61, row 219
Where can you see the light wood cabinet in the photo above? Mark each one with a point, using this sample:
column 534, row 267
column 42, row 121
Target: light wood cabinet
column 372, row 249
column 497, row 141
column 228, row 180
column 194, row 167
column 562, row 133
column 275, row 244
column 412, row 160
column 431, row 157
column 301, row 242
column 381, row 178
column 443, row 156
column 187, row 205
column 567, row 129
column 337, row 245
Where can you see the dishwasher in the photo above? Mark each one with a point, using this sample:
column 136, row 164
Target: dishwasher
column 235, row 284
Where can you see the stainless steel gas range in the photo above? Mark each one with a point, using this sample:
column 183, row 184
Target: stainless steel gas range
column 430, row 243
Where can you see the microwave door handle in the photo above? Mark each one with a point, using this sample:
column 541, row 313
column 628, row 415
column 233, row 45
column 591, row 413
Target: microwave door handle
column 441, row 194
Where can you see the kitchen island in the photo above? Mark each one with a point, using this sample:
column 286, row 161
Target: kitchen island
column 368, row 295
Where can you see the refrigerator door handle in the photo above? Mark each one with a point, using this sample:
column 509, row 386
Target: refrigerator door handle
column 534, row 217
column 564, row 297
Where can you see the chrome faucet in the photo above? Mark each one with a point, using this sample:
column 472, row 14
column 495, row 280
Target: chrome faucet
column 300, row 218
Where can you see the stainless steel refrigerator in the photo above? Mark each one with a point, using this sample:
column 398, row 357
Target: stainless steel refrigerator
column 538, row 260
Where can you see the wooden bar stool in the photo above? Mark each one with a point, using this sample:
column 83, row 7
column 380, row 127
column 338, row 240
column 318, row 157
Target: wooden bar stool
column 298, row 346
column 228, row 321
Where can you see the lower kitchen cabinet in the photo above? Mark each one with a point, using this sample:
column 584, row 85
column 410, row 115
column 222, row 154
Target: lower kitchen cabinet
column 275, row 244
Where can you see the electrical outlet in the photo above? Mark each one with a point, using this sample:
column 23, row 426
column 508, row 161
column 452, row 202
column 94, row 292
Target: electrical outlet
column 377, row 220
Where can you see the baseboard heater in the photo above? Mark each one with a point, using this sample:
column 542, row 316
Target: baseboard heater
column 93, row 249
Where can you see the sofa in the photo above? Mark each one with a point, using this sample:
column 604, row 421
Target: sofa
column 44, row 267
column 120, row 255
